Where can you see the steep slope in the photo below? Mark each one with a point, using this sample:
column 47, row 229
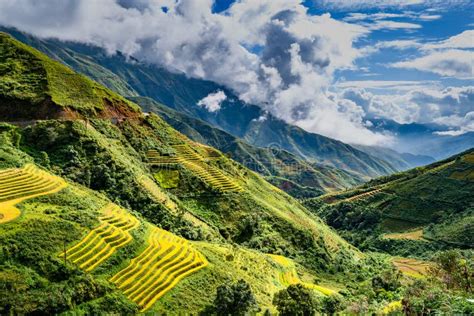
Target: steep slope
column 34, row 86
column 281, row 168
column 111, row 154
column 182, row 94
column 428, row 208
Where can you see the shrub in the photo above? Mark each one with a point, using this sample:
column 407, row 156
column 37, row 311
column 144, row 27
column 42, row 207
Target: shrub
column 296, row 300
column 235, row 299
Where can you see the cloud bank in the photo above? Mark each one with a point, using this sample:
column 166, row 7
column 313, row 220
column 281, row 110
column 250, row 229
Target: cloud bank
column 271, row 52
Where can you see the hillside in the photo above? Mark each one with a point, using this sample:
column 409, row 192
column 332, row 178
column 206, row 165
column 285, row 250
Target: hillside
column 423, row 209
column 182, row 94
column 281, row 168
column 114, row 187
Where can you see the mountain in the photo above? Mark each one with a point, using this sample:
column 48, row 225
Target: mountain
column 401, row 161
column 98, row 200
column 416, row 211
column 281, row 168
column 130, row 77
column 424, row 139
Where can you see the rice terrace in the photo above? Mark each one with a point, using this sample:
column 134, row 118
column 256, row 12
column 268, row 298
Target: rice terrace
column 236, row 157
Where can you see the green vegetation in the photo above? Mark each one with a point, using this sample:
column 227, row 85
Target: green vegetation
column 235, row 299
column 166, row 248
column 30, row 78
column 237, row 118
column 435, row 201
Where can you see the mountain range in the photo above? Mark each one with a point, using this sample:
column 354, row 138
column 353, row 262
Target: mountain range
column 134, row 199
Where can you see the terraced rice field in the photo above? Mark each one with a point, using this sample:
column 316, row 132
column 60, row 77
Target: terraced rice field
column 289, row 276
column 19, row 184
column 191, row 160
column 102, row 242
column 411, row 235
column 362, row 196
column 167, row 259
column 412, row 267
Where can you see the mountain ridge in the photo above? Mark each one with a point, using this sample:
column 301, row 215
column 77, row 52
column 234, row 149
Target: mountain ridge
column 182, row 93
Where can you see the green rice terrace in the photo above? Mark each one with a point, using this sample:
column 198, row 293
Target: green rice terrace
column 188, row 158
column 107, row 210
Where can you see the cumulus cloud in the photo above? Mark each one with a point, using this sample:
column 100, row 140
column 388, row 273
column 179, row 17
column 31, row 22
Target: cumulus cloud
column 451, row 107
column 289, row 77
column 213, row 101
column 350, row 5
column 454, row 63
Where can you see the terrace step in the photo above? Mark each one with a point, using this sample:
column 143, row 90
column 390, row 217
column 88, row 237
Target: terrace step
column 104, row 240
column 167, row 259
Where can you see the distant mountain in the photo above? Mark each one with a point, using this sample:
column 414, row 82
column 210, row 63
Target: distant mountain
column 422, row 139
column 133, row 78
column 280, row 167
column 401, row 161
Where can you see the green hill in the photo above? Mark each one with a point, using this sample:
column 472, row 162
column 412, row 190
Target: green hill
column 182, row 94
column 427, row 208
column 290, row 173
column 156, row 177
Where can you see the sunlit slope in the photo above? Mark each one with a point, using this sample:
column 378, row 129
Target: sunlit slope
column 206, row 197
column 19, row 184
column 35, row 86
column 431, row 203
column 235, row 117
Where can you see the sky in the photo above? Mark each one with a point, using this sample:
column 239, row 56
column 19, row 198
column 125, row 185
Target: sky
column 328, row 66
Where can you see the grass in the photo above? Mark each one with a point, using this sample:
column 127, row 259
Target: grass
column 19, row 184
column 29, row 75
column 101, row 243
column 166, row 261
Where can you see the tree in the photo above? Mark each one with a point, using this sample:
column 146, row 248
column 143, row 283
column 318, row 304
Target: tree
column 235, row 299
column 332, row 304
column 296, row 300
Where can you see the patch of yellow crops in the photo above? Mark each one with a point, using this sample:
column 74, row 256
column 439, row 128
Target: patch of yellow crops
column 412, row 235
column 288, row 275
column 19, row 184
column 167, row 259
column 156, row 193
column 195, row 163
column 412, row 267
column 469, row 158
column 102, row 242
column 392, row 307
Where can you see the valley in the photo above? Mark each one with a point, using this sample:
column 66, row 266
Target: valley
column 108, row 206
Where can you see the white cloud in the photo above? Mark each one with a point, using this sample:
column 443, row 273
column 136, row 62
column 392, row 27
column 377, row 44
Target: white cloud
column 289, row 78
column 391, row 25
column 213, row 101
column 464, row 40
column 393, row 85
column 449, row 63
column 351, row 5
column 364, row 4
column 452, row 107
